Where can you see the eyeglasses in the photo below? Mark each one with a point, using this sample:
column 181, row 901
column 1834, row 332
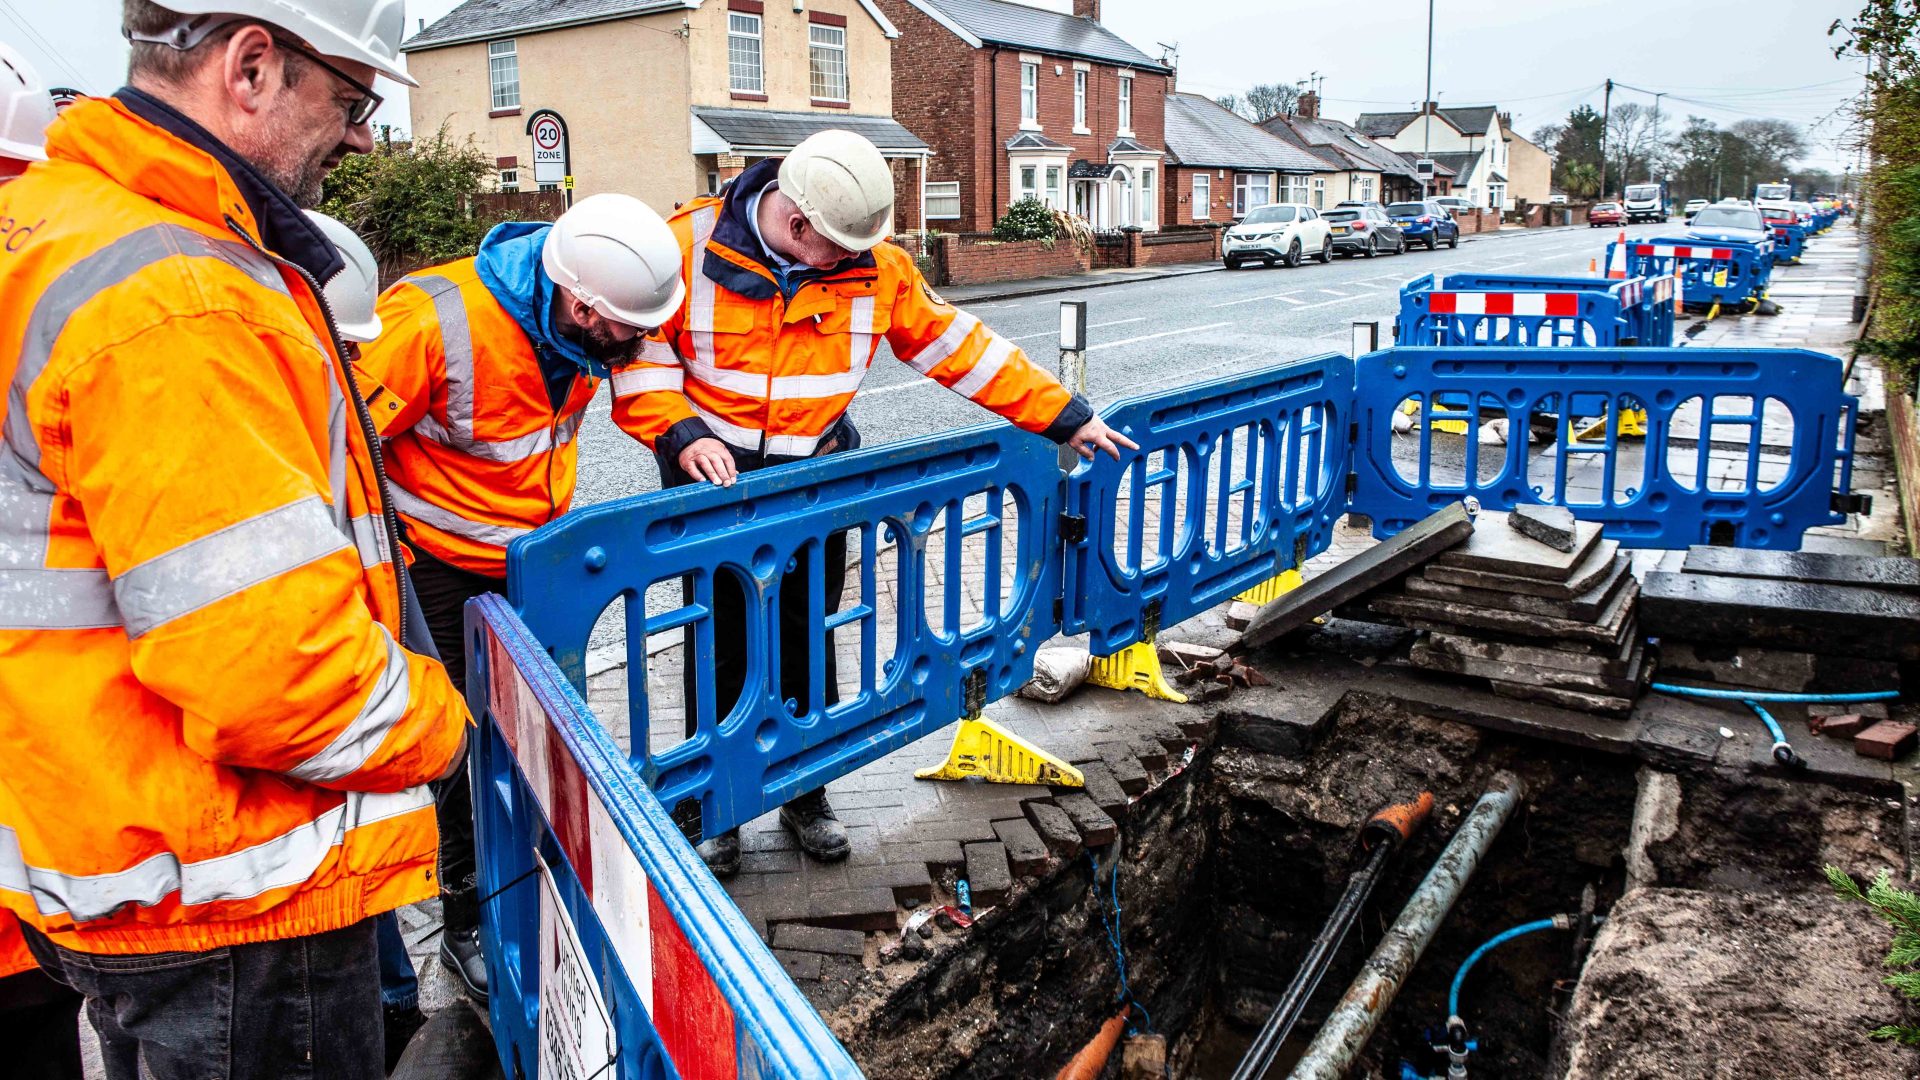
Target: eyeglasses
column 361, row 109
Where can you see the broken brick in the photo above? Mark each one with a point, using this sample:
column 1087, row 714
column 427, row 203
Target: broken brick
column 1025, row 851
column 1839, row 727
column 1887, row 740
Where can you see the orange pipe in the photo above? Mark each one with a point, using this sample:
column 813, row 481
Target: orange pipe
column 1093, row 1057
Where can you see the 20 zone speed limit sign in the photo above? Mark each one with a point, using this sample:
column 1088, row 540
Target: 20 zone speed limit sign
column 549, row 151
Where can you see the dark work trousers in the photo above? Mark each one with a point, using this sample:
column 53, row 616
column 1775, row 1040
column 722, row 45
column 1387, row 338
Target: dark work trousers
column 799, row 636
column 444, row 590
column 39, row 1028
column 306, row 1007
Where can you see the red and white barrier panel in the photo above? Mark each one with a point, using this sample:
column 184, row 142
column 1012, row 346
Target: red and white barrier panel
column 1677, row 252
column 1486, row 303
column 1631, row 292
column 1662, row 289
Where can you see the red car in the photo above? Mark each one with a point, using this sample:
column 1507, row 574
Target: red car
column 1606, row 213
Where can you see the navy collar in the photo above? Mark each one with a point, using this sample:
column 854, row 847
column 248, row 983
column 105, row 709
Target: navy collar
column 735, row 232
column 284, row 229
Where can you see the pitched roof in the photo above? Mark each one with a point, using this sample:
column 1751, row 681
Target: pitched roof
column 478, row 19
column 1461, row 162
column 1325, row 137
column 1004, row 23
column 766, row 131
column 1439, row 167
column 1033, row 140
column 1200, row 131
column 1470, row 120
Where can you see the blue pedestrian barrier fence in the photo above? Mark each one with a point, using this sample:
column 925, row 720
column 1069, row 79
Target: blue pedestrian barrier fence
column 1490, row 309
column 1789, row 241
column 611, row 950
column 1715, row 272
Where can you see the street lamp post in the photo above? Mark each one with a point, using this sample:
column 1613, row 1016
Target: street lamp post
column 1656, row 137
column 1426, row 104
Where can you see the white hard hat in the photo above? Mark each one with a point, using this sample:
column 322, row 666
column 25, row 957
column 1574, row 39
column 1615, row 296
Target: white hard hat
column 363, row 31
column 25, row 108
column 615, row 255
column 351, row 292
column 843, row 185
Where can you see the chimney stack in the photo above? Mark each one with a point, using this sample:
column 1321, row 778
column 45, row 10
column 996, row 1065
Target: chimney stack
column 1087, row 9
column 1308, row 107
column 1433, row 107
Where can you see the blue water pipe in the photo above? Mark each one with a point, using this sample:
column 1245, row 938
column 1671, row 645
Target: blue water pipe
column 1782, row 751
column 1558, row 922
column 1455, row 1045
column 1775, row 697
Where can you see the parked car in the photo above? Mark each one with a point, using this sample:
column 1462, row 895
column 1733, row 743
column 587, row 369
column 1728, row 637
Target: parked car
column 1740, row 224
column 1363, row 230
column 1694, row 206
column 1425, row 222
column 1454, row 204
column 1278, row 232
column 1606, row 213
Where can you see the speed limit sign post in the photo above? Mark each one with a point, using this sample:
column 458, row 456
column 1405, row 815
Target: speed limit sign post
column 552, row 160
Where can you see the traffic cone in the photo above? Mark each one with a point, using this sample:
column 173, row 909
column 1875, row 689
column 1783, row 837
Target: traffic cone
column 1593, row 267
column 1617, row 259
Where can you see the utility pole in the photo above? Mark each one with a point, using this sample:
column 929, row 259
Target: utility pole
column 1606, row 119
column 1426, row 104
column 1656, row 138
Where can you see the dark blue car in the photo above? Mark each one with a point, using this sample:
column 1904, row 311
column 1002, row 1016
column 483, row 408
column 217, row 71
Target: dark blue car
column 1425, row 222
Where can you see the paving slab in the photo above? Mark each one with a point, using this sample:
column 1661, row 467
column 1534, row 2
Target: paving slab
column 1609, row 630
column 1496, row 548
column 1628, row 686
column 1834, row 619
column 1566, row 699
column 1893, row 572
column 1590, row 572
column 1586, row 607
column 1096, row 828
column 1536, row 655
column 989, row 878
column 1551, row 525
column 1786, row 670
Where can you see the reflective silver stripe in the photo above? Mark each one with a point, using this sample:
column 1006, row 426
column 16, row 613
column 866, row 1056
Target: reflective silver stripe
column 370, row 540
column 44, row 598
column 655, row 351
column 568, row 427
column 385, row 706
column 26, row 511
column 93, row 275
column 337, row 453
column 283, row 861
column 220, row 564
column 859, row 357
column 519, row 448
column 700, row 299
column 413, row 506
column 793, row 445
column 732, row 434
column 995, row 357
column 456, row 345
column 945, row 345
column 639, row 380
column 746, row 383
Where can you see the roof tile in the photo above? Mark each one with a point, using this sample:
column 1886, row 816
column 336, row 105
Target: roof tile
column 1200, row 131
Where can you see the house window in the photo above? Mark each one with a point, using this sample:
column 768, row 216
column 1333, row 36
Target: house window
column 1366, row 189
column 1250, row 191
column 827, row 58
column 1496, row 196
column 503, row 74
column 1056, row 174
column 1080, row 100
column 743, row 53
column 1029, row 95
column 1126, row 105
column 943, row 200
column 509, row 181
column 1319, row 193
column 1146, row 198
column 1029, row 182
column 1202, row 196
column 1293, row 189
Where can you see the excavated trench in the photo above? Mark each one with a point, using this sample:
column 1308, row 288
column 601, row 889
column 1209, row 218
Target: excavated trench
column 1228, row 868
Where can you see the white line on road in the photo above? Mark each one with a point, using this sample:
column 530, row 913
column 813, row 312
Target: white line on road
column 1116, row 322
column 1151, row 337
column 1336, row 292
column 1253, row 299
column 1090, row 326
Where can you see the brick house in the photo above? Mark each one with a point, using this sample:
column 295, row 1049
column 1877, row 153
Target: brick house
column 1033, row 97
column 1219, row 166
column 1469, row 140
column 1361, row 168
column 663, row 99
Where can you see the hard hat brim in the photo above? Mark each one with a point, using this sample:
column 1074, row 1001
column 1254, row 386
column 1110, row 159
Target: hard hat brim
column 850, row 241
column 645, row 319
column 361, row 333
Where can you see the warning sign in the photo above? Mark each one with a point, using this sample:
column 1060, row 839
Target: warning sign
column 549, row 150
column 576, row 1036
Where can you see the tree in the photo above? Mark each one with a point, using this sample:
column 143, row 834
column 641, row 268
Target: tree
column 412, row 203
column 1887, row 34
column 1631, row 147
column 1547, row 137
column 1233, row 103
column 1273, row 99
column 1577, row 142
column 1900, row 910
column 1696, row 156
column 1581, row 179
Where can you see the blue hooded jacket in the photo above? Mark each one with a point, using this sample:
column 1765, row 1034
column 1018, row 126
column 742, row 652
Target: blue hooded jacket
column 509, row 266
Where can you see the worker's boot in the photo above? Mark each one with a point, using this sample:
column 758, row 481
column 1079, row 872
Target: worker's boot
column 460, row 942
column 722, row 854
column 812, row 823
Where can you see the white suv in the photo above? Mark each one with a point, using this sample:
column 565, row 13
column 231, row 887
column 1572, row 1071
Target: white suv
column 1278, row 232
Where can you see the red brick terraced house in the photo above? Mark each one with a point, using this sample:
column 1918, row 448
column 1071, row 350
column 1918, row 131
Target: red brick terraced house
column 1028, row 98
column 1219, row 166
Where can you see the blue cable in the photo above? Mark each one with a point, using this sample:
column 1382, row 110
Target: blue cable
column 1778, row 698
column 1453, row 994
column 1112, row 928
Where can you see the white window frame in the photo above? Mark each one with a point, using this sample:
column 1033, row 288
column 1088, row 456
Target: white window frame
column 1080, row 79
column 745, row 30
column 503, row 74
column 1319, row 193
column 822, row 57
column 1055, row 193
column 1366, row 189
column 1147, row 215
column 939, row 194
column 1030, row 95
column 1202, row 197
column 1125, row 113
column 1243, row 188
column 1026, row 180
column 509, row 181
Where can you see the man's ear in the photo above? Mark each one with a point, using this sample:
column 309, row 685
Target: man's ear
column 247, row 65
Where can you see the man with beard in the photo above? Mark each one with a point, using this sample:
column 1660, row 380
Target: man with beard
column 478, row 382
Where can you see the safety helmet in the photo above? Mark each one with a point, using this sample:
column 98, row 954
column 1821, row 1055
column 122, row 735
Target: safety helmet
column 615, row 255
column 843, row 185
column 363, row 31
column 25, row 108
column 352, row 291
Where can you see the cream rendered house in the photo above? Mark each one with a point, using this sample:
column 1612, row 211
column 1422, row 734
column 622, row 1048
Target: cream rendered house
column 663, row 99
column 1470, row 140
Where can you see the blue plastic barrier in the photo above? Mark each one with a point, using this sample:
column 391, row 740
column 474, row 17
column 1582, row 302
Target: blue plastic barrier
column 1666, row 492
column 1236, row 480
column 1495, row 309
column 611, row 950
column 1789, row 241
column 1714, row 272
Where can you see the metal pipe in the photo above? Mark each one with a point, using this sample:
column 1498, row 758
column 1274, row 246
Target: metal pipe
column 1347, row 1030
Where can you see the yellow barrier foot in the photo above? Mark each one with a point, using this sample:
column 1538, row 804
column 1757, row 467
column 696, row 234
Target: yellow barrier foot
column 1136, row 667
column 1633, row 423
column 1713, row 312
column 1451, row 427
column 984, row 749
column 1273, row 588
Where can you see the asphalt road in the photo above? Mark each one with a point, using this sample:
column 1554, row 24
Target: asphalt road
column 1150, row 335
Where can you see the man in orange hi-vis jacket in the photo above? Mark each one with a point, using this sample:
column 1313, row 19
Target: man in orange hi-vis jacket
column 790, row 289
column 217, row 748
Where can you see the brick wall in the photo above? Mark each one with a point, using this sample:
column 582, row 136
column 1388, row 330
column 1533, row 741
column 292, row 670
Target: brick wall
column 1183, row 246
column 936, row 76
column 1177, row 199
column 977, row 260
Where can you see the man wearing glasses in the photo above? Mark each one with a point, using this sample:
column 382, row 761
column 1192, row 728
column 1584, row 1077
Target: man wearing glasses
column 218, row 748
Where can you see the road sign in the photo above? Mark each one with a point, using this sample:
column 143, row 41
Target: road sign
column 549, row 150
column 576, row 1034
column 1423, row 168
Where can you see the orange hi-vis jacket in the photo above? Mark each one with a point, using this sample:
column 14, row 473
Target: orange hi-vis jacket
column 211, row 733
column 477, row 453
column 14, row 957
column 770, row 370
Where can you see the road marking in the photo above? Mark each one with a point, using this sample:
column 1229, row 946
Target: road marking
column 1342, row 300
column 1152, row 337
column 878, row 390
column 1335, row 292
column 1116, row 322
column 1253, row 299
column 1090, row 326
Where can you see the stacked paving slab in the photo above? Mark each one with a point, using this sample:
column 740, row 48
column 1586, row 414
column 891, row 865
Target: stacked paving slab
column 1536, row 603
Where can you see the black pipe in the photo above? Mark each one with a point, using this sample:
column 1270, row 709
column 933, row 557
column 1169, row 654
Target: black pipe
column 1380, row 837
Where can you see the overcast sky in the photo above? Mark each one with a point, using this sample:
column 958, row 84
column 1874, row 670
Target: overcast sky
column 1536, row 60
